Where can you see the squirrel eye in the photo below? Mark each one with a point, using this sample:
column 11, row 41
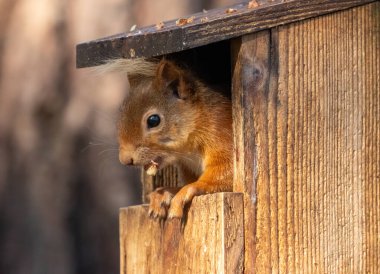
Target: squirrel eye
column 153, row 120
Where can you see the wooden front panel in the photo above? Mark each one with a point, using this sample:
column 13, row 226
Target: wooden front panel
column 307, row 139
column 208, row 240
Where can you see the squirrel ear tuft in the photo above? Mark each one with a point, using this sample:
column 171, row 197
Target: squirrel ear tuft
column 135, row 79
column 137, row 70
column 170, row 76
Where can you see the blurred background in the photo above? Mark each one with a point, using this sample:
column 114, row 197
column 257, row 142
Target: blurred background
column 61, row 184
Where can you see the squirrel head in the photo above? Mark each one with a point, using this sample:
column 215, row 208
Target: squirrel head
column 158, row 116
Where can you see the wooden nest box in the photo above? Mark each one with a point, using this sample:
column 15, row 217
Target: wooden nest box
column 304, row 78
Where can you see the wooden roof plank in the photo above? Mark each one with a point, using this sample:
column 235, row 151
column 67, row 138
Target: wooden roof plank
column 205, row 28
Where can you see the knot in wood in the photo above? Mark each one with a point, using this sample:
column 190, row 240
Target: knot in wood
column 253, row 75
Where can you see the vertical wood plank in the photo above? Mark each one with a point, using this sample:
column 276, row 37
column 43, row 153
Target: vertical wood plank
column 209, row 241
column 329, row 68
column 306, row 100
column 250, row 84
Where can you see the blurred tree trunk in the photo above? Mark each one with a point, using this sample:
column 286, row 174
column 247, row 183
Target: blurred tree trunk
column 59, row 196
column 59, row 202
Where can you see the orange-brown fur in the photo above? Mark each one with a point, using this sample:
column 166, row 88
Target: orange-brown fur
column 195, row 133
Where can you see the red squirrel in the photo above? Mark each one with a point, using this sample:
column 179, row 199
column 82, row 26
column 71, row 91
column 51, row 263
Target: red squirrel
column 170, row 117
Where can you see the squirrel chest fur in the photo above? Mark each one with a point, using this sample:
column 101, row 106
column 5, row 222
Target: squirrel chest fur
column 171, row 117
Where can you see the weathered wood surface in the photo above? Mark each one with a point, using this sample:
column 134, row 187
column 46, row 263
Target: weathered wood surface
column 210, row 241
column 307, row 140
column 205, row 28
column 250, row 54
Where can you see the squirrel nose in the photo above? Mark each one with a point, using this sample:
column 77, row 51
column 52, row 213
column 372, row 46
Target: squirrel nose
column 125, row 157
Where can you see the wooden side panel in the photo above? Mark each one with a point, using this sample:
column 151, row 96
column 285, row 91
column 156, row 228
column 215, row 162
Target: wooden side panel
column 209, row 241
column 307, row 139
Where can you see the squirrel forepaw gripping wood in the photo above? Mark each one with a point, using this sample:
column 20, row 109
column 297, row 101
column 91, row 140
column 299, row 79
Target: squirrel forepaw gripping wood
column 171, row 117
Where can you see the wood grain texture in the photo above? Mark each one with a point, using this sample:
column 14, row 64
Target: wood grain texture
column 309, row 140
column 250, row 54
column 210, row 240
column 205, row 28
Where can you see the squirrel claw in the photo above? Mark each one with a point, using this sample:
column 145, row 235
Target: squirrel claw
column 158, row 213
column 160, row 200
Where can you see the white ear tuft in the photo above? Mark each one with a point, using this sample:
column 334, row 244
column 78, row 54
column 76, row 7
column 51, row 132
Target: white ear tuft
column 137, row 66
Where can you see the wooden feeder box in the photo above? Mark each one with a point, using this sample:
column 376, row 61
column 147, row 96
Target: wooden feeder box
column 304, row 78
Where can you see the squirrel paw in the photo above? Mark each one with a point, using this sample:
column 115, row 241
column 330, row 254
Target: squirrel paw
column 184, row 196
column 160, row 201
